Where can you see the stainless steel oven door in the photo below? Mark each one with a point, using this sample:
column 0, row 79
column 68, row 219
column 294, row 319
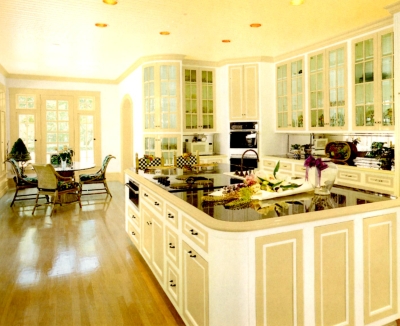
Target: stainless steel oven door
column 133, row 193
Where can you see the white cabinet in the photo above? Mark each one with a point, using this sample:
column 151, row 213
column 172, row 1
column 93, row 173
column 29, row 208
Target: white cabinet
column 243, row 92
column 214, row 159
column 199, row 99
column 161, row 99
column 195, row 286
column 327, row 89
column 290, row 95
column 373, row 59
column 165, row 145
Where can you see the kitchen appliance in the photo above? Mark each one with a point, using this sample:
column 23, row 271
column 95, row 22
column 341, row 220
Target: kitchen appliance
column 319, row 146
column 204, row 144
column 243, row 136
column 133, row 192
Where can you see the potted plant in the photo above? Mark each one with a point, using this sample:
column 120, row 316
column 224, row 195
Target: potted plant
column 20, row 153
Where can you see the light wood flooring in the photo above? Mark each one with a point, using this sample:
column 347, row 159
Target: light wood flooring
column 76, row 268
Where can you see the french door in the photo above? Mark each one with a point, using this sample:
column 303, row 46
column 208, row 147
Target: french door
column 47, row 123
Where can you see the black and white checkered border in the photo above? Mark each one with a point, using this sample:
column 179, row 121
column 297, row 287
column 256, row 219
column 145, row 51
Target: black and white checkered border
column 145, row 163
column 181, row 161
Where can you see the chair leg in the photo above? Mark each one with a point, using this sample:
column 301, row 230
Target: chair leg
column 53, row 203
column 36, row 203
column 15, row 196
column 108, row 190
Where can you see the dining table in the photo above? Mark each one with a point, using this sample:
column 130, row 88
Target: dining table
column 70, row 169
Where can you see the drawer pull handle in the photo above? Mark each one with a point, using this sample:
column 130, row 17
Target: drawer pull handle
column 170, row 215
column 133, row 216
column 192, row 256
column 173, row 284
column 146, row 195
column 155, row 203
column 133, row 233
column 149, row 223
column 193, row 233
column 171, row 246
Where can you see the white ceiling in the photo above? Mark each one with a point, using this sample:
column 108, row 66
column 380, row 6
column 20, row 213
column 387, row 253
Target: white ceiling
column 58, row 37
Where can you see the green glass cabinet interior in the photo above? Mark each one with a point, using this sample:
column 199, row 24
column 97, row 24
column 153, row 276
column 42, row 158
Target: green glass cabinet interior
column 161, row 97
column 327, row 96
column 199, row 89
column 290, row 95
column 374, row 82
column 162, row 146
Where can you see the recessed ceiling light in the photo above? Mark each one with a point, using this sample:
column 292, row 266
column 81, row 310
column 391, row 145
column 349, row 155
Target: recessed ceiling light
column 255, row 25
column 110, row 2
column 296, row 2
column 226, row 41
column 165, row 33
column 101, row 25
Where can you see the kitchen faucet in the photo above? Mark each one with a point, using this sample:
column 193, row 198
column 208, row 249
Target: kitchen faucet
column 241, row 162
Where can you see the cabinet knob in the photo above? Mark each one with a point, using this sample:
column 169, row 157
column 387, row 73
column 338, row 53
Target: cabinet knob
column 156, row 203
column 146, row 195
column 133, row 216
column 193, row 232
column 171, row 246
column 172, row 283
column 133, row 233
column 149, row 223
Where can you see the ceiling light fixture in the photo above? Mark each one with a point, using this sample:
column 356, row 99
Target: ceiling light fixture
column 110, row 2
column 165, row 33
column 101, row 25
column 255, row 25
column 296, row 2
column 226, row 41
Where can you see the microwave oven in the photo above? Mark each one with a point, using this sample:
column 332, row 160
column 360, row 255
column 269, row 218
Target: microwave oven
column 203, row 147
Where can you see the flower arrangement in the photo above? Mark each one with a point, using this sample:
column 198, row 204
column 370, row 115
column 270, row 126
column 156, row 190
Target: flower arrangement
column 66, row 153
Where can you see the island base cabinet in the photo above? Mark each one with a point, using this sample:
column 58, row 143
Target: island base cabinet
column 195, row 287
column 279, row 279
column 380, row 272
column 153, row 242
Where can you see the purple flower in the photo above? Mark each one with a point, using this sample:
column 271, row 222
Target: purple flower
column 320, row 165
column 310, row 162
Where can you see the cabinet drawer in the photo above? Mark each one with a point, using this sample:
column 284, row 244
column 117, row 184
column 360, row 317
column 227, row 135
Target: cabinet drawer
column 269, row 164
column 173, row 284
column 172, row 215
column 195, row 233
column 153, row 200
column 172, row 242
column 134, row 235
column 300, row 168
column 347, row 177
column 134, row 216
column 381, row 181
column 285, row 166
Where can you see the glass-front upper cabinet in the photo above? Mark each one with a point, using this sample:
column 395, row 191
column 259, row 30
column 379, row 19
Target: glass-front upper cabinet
column 199, row 90
column 290, row 95
column 327, row 89
column 161, row 101
column 374, row 82
column 165, row 146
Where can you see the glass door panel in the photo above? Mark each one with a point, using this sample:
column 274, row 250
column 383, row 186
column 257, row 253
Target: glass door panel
column 149, row 97
column 317, row 90
column 168, row 92
column 387, row 84
column 86, row 138
column 26, row 129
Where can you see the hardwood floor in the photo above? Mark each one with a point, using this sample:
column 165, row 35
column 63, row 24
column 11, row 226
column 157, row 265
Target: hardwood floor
column 76, row 268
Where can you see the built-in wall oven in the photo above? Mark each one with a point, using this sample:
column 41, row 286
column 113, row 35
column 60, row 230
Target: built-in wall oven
column 133, row 192
column 243, row 144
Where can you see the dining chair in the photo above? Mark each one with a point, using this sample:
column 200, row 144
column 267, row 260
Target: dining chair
column 22, row 182
column 147, row 161
column 186, row 160
column 96, row 178
column 57, row 187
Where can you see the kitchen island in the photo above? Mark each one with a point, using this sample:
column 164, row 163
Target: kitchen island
column 285, row 266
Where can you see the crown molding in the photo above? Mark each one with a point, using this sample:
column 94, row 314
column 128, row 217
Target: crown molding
column 142, row 60
column 244, row 60
column 393, row 8
column 3, row 71
column 62, row 79
column 201, row 63
column 374, row 27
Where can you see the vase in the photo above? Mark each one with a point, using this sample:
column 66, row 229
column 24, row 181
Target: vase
column 323, row 180
column 63, row 163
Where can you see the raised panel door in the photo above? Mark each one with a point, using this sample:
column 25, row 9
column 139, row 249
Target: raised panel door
column 236, row 92
column 250, row 96
column 195, row 287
